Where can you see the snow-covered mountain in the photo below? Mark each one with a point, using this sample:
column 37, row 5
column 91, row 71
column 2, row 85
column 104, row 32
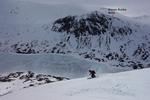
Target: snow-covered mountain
column 66, row 39
column 131, row 85
column 31, row 27
column 114, row 38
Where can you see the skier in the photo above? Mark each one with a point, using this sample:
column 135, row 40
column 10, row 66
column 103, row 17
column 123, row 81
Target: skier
column 92, row 73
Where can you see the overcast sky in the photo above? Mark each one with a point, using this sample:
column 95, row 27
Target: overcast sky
column 134, row 7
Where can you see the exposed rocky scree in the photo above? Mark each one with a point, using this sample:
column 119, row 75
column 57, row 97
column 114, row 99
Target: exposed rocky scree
column 142, row 51
column 30, row 79
column 21, row 80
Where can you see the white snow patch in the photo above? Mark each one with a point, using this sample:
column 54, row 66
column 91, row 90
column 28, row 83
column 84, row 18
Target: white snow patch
column 133, row 85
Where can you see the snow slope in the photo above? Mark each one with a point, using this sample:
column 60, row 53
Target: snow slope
column 133, row 85
column 143, row 19
column 21, row 80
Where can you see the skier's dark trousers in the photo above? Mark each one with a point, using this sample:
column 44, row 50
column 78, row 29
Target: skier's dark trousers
column 92, row 73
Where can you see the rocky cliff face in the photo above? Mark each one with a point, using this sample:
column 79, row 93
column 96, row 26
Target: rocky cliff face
column 95, row 23
column 101, row 26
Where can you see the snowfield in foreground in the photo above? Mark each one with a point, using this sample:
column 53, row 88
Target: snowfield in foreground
column 132, row 85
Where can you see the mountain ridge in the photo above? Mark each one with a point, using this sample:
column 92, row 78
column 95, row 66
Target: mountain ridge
column 95, row 35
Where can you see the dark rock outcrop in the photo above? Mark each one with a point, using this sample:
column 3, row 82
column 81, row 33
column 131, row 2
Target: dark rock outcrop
column 94, row 23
